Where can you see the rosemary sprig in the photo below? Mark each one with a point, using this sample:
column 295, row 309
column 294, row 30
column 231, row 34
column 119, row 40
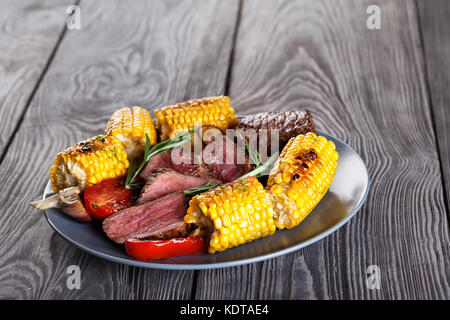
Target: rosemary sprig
column 255, row 158
column 154, row 151
column 257, row 172
column 135, row 183
column 201, row 189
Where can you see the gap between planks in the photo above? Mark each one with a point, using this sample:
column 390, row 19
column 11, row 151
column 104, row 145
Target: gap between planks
column 227, row 88
column 231, row 59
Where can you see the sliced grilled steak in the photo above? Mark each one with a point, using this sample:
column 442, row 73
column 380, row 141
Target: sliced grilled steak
column 219, row 160
column 159, row 219
column 157, row 162
column 185, row 163
column 288, row 123
column 222, row 156
column 164, row 181
column 178, row 229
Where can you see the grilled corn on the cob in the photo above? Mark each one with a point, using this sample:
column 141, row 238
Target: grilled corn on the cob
column 175, row 119
column 88, row 163
column 300, row 178
column 232, row 214
column 130, row 126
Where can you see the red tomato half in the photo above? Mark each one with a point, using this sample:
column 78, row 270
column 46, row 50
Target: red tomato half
column 107, row 197
column 163, row 249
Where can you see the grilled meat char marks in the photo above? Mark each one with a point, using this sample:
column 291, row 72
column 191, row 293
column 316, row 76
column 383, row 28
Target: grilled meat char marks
column 165, row 181
column 289, row 124
column 159, row 219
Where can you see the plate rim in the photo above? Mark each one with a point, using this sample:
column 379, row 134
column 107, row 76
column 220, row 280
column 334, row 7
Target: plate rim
column 219, row 265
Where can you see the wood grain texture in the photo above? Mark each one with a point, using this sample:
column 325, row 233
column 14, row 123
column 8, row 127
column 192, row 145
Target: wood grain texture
column 367, row 88
column 435, row 25
column 29, row 31
column 149, row 53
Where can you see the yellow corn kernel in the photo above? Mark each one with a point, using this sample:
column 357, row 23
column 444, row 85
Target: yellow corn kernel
column 130, row 126
column 88, row 163
column 306, row 165
column 279, row 178
column 276, row 189
column 250, row 219
column 178, row 118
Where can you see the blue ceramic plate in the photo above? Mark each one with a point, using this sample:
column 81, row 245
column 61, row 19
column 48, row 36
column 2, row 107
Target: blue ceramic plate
column 344, row 198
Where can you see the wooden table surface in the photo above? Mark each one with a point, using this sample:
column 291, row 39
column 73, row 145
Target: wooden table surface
column 384, row 92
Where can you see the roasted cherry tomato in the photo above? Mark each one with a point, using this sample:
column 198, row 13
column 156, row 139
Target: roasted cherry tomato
column 163, row 249
column 107, row 197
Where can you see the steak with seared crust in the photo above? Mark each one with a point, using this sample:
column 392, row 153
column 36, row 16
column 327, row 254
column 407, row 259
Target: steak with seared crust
column 288, row 123
column 159, row 219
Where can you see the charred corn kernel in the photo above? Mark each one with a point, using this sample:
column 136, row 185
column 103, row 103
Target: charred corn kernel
column 276, row 189
column 250, row 219
column 175, row 119
column 88, row 163
column 130, row 125
column 303, row 172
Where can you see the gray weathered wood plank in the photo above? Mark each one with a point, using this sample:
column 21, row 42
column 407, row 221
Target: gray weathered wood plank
column 367, row 88
column 29, row 31
column 126, row 53
column 435, row 25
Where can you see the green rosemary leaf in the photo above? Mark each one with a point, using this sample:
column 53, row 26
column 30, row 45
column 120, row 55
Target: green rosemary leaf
column 201, row 189
column 255, row 158
column 129, row 175
column 242, row 186
column 146, row 156
column 258, row 172
column 147, row 146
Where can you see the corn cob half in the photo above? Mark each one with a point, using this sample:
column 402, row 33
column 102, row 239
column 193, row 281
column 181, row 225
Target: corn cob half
column 232, row 214
column 172, row 120
column 130, row 125
column 88, row 163
column 300, row 178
